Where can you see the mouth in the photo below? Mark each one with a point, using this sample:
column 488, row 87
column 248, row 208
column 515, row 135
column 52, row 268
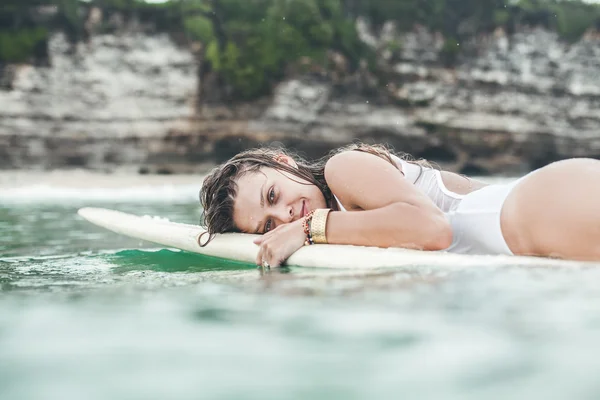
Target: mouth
column 303, row 211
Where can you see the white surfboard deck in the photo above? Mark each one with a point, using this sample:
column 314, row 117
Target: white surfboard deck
column 240, row 247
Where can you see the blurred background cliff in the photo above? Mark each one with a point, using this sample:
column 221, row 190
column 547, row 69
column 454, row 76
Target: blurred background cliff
column 480, row 86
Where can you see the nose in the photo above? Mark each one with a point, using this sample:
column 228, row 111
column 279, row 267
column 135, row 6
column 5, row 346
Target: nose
column 284, row 215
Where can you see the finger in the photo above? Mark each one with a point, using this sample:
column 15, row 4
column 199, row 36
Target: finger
column 259, row 257
column 275, row 263
column 263, row 237
column 280, row 260
column 274, row 259
column 267, row 255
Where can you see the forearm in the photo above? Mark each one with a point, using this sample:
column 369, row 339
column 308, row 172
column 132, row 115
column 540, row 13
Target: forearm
column 396, row 225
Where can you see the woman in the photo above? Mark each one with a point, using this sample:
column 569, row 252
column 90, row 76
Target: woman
column 551, row 212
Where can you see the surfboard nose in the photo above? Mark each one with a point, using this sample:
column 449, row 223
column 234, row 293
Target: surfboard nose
column 89, row 212
column 99, row 216
column 85, row 211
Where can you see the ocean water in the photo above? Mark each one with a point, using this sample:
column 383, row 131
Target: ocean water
column 87, row 314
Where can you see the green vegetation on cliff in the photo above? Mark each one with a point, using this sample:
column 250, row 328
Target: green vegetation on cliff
column 251, row 43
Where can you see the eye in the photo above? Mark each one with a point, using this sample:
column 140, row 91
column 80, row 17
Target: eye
column 271, row 195
column 268, row 226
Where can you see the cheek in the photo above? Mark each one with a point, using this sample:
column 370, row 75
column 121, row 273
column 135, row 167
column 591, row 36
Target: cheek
column 317, row 197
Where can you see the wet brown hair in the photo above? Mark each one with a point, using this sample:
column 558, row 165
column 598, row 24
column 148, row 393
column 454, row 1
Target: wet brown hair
column 220, row 186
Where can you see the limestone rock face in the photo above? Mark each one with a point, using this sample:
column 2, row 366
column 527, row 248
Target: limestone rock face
column 93, row 99
column 513, row 103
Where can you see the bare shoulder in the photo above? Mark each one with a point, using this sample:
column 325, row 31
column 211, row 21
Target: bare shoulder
column 337, row 165
column 357, row 178
column 346, row 164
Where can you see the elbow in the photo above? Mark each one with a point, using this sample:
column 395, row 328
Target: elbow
column 440, row 237
column 425, row 228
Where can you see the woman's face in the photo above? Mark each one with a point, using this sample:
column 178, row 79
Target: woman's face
column 269, row 197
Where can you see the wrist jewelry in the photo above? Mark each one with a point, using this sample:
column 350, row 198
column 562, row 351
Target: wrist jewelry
column 306, row 227
column 318, row 225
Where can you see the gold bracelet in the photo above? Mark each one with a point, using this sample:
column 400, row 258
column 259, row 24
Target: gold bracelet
column 318, row 225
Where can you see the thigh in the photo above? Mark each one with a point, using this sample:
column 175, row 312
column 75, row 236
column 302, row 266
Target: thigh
column 555, row 211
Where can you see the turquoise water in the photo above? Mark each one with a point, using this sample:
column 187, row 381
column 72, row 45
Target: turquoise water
column 86, row 314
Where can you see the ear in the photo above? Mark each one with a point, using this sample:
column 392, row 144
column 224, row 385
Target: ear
column 282, row 158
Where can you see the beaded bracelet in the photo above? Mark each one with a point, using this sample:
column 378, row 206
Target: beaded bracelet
column 306, row 227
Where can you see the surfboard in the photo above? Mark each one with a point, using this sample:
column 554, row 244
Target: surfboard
column 240, row 247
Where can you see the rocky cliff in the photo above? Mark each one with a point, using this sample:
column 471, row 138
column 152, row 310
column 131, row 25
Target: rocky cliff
column 512, row 103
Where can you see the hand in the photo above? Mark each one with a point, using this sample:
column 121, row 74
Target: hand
column 277, row 245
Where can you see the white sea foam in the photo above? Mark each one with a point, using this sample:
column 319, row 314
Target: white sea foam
column 77, row 186
column 43, row 193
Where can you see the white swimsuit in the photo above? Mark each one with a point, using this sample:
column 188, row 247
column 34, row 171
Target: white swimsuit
column 474, row 217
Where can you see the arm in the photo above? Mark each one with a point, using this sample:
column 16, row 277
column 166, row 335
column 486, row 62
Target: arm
column 395, row 213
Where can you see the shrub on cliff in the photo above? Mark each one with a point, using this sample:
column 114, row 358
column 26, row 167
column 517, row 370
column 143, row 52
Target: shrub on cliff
column 251, row 43
column 572, row 22
column 20, row 45
column 21, row 37
column 571, row 19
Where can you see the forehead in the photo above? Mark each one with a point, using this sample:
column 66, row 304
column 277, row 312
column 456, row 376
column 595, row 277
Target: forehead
column 246, row 205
